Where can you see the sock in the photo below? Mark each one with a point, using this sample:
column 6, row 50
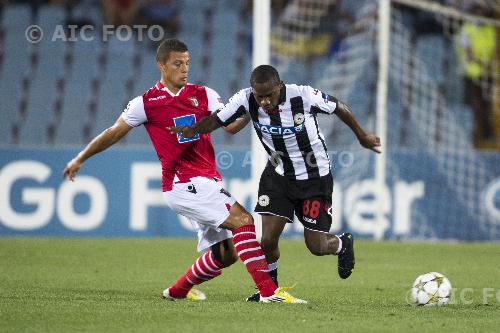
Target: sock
column 273, row 271
column 205, row 268
column 253, row 257
column 340, row 245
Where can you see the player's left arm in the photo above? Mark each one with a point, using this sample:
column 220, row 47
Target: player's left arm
column 327, row 104
column 367, row 140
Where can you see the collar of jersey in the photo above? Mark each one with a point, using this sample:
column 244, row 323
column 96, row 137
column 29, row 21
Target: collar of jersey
column 160, row 86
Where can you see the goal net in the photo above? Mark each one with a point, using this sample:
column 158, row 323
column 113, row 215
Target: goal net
column 441, row 111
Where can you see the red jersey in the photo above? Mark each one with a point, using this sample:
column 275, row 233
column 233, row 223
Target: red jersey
column 158, row 108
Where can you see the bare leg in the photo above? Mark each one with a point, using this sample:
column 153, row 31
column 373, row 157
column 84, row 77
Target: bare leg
column 225, row 252
column 238, row 217
column 320, row 243
column 272, row 227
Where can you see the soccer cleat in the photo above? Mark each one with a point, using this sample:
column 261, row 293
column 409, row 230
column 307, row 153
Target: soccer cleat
column 192, row 295
column 196, row 295
column 346, row 256
column 254, row 298
column 281, row 296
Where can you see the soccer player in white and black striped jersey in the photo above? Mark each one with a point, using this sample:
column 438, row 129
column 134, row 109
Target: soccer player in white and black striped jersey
column 297, row 179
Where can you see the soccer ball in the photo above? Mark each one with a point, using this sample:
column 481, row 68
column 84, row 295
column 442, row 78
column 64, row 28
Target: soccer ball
column 431, row 289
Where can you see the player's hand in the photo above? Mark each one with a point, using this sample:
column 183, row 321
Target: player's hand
column 370, row 141
column 186, row 131
column 71, row 169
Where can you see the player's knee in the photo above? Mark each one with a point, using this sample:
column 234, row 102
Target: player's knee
column 225, row 253
column 246, row 219
column 268, row 244
column 229, row 258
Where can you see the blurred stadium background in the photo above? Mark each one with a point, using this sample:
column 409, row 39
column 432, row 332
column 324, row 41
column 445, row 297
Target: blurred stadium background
column 440, row 174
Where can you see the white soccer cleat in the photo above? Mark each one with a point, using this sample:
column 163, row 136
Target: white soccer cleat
column 281, row 296
column 193, row 295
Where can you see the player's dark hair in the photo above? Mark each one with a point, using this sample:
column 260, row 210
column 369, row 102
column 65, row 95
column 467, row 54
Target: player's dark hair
column 167, row 46
column 264, row 74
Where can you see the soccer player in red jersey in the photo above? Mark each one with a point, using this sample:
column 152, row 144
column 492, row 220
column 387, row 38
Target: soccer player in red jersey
column 190, row 181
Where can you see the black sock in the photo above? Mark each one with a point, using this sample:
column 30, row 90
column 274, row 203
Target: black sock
column 274, row 275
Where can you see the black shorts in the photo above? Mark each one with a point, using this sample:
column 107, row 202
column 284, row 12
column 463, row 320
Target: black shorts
column 310, row 200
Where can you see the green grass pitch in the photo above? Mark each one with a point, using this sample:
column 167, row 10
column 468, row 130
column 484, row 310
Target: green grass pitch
column 103, row 285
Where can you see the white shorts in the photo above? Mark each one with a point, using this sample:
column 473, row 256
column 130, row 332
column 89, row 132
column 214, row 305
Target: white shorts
column 206, row 204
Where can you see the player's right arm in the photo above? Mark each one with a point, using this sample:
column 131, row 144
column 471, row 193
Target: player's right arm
column 237, row 125
column 206, row 125
column 106, row 139
column 234, row 111
column 133, row 115
column 215, row 105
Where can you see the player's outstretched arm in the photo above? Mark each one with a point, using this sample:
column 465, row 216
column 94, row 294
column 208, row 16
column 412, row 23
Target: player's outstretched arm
column 367, row 140
column 237, row 125
column 106, row 139
column 206, row 125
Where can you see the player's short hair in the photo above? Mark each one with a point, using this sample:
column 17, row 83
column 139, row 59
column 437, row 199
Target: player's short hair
column 167, row 46
column 264, row 74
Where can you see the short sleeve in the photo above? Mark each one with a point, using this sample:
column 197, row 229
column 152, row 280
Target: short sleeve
column 235, row 108
column 134, row 114
column 214, row 100
column 320, row 101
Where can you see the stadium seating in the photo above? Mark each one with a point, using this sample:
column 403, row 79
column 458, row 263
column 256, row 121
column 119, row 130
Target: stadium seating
column 74, row 116
column 16, row 16
column 48, row 17
column 16, row 64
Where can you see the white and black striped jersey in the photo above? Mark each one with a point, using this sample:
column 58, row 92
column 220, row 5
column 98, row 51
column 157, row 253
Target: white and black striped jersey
column 290, row 133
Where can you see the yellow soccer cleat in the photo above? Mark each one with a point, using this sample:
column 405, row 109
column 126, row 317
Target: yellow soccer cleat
column 193, row 295
column 196, row 295
column 281, row 296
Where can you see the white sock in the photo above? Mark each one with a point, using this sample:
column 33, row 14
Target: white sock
column 340, row 244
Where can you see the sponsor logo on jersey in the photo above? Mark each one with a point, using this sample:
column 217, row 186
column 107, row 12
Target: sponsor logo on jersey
column 194, row 101
column 187, row 120
column 157, row 98
column 278, row 130
column 264, row 200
